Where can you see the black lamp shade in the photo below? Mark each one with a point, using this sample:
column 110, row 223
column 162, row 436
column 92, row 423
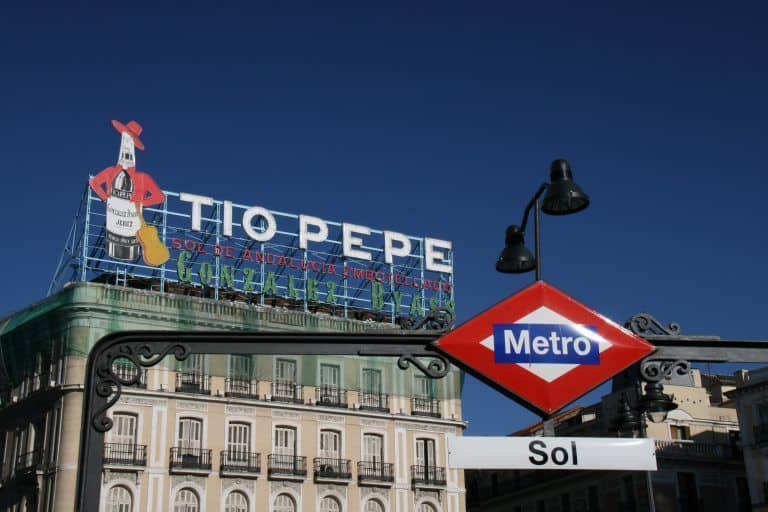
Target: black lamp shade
column 515, row 258
column 563, row 195
column 657, row 403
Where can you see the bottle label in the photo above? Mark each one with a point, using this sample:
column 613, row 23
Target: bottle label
column 122, row 217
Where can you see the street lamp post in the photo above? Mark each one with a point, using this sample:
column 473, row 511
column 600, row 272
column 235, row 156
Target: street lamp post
column 563, row 197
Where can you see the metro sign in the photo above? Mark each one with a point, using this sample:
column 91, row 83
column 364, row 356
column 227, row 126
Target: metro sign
column 543, row 347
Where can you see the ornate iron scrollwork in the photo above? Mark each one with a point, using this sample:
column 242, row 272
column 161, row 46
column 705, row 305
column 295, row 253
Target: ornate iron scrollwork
column 437, row 319
column 109, row 385
column 657, row 370
column 437, row 368
column 644, row 324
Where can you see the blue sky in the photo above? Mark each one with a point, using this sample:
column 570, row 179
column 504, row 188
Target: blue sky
column 427, row 118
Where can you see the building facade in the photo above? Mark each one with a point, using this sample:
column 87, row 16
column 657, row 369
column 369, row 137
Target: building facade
column 751, row 400
column 698, row 451
column 232, row 433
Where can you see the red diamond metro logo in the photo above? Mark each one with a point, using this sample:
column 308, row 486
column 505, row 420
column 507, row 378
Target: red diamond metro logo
column 543, row 347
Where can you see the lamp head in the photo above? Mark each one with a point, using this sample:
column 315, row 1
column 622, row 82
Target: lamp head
column 628, row 421
column 656, row 403
column 564, row 196
column 515, row 258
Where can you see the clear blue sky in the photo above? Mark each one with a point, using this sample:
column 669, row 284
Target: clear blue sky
column 436, row 119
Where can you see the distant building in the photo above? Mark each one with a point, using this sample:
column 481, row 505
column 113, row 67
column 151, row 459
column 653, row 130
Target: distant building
column 751, row 400
column 697, row 448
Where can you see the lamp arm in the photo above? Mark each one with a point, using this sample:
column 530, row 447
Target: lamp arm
column 531, row 203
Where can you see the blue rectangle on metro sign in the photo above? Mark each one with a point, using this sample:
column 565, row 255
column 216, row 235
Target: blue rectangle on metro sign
column 546, row 343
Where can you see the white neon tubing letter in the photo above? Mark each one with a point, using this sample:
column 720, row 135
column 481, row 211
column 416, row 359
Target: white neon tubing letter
column 434, row 256
column 321, row 235
column 258, row 211
column 227, row 218
column 389, row 250
column 350, row 241
column 197, row 206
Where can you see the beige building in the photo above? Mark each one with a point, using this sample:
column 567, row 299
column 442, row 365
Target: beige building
column 221, row 433
column 700, row 467
column 751, row 400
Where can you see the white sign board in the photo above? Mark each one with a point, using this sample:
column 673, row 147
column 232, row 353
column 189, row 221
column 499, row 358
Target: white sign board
column 551, row 453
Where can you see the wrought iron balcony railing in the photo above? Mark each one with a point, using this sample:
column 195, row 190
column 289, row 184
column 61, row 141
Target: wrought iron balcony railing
column 198, row 383
column 337, row 469
column 129, row 371
column 428, row 475
column 329, row 396
column 28, row 462
column 240, row 388
column 125, row 454
column 235, row 461
column 190, row 458
column 761, row 433
column 373, row 401
column 692, row 450
column 287, row 391
column 425, row 406
column 286, row 465
column 375, row 472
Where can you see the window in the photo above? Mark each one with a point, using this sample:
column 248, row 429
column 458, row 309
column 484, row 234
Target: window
column 427, row 507
column 124, row 429
column 285, row 371
column 236, row 502
column 285, row 441
column 238, row 441
column 371, row 380
column 284, row 503
column 186, row 501
column 119, row 499
column 425, row 452
column 240, row 367
column 330, row 376
column 541, row 506
column 425, row 387
column 687, row 492
column 195, row 363
column 565, row 502
column 373, row 448
column 594, row 498
column 190, row 435
column 374, row 506
column 630, row 504
column 330, row 444
column 330, row 504
column 679, row 433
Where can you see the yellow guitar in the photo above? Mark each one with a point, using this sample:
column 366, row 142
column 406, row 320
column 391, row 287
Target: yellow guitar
column 155, row 252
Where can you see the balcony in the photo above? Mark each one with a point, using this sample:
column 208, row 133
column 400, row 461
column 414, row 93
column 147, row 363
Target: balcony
column 425, row 406
column 375, row 474
column 28, row 462
column 196, row 383
column 370, row 401
column 128, row 372
column 761, row 434
column 190, row 460
column 328, row 396
column 120, row 454
column 329, row 469
column 240, row 464
column 240, row 388
column 286, row 467
column 428, row 476
column 287, row 391
column 692, row 450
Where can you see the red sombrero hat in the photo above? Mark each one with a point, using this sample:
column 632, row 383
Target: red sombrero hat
column 133, row 129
